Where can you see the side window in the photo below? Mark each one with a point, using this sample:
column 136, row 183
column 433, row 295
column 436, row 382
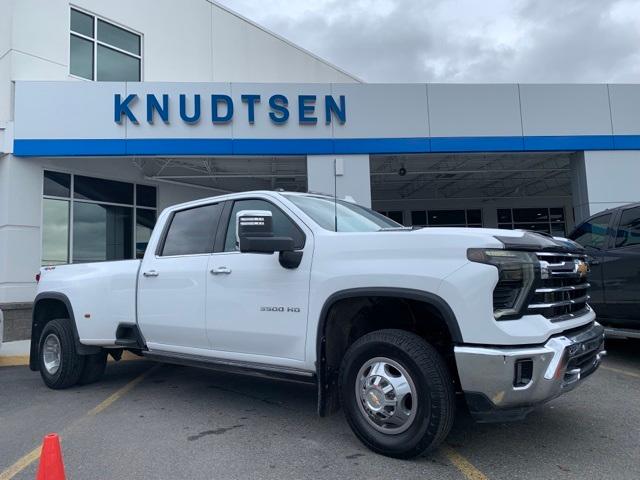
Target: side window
column 192, row 231
column 629, row 230
column 593, row 233
column 283, row 226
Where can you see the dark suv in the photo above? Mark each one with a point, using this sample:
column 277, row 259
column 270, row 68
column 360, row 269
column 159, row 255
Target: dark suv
column 612, row 241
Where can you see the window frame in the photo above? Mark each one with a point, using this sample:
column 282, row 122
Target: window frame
column 71, row 201
column 466, row 211
column 95, row 42
column 513, row 224
column 613, row 234
column 169, row 222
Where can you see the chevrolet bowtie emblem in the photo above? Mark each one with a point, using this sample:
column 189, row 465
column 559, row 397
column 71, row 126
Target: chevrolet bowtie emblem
column 582, row 268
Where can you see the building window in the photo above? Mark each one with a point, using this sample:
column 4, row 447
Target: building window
column 88, row 219
column 103, row 51
column 447, row 218
column 395, row 215
column 546, row 220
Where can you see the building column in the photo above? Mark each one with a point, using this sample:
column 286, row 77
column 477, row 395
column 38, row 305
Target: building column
column 604, row 179
column 351, row 179
column 20, row 220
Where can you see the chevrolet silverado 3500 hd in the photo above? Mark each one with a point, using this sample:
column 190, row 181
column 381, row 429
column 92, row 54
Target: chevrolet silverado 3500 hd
column 389, row 322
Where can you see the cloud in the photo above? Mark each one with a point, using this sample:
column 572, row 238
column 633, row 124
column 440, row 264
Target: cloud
column 464, row 40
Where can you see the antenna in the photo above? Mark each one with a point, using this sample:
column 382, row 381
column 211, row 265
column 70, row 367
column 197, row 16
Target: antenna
column 335, row 193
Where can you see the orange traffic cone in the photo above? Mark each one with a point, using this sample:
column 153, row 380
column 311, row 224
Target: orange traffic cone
column 51, row 466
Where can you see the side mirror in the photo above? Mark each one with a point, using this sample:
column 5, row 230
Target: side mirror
column 254, row 233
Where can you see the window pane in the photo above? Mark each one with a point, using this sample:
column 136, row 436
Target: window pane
column 557, row 230
column 474, row 216
column 81, row 23
column 593, row 233
column 117, row 67
column 419, row 218
column 57, row 184
column 118, row 37
column 446, row 217
column 629, row 229
column 396, row 216
column 531, row 214
column 145, row 221
column 99, row 190
column 101, row 232
column 55, row 232
column 283, row 226
column 192, row 231
column 504, row 215
column 81, row 57
column 505, row 226
column 146, row 196
column 557, row 214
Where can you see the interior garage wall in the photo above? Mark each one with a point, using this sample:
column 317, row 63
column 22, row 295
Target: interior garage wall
column 604, row 179
column 489, row 207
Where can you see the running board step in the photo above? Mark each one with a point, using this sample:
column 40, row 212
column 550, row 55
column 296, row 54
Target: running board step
column 128, row 336
column 233, row 366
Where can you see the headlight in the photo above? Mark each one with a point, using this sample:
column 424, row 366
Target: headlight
column 516, row 275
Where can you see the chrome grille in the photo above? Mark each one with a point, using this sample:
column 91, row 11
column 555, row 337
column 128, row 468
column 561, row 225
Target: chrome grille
column 562, row 292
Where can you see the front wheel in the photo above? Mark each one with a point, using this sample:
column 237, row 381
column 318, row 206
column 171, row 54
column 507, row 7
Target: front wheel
column 60, row 364
column 397, row 393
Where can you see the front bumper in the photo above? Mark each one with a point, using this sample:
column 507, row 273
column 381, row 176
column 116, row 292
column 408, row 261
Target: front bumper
column 495, row 392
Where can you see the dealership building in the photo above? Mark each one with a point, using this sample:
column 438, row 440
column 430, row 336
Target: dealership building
column 112, row 111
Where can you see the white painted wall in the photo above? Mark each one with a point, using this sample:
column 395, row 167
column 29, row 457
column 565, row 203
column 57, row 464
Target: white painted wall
column 605, row 179
column 189, row 40
column 354, row 181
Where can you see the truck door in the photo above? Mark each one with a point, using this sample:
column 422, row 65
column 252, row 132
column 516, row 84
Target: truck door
column 255, row 306
column 172, row 283
column 621, row 271
column 593, row 235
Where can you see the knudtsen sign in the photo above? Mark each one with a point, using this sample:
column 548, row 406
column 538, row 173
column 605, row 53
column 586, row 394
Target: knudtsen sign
column 223, row 110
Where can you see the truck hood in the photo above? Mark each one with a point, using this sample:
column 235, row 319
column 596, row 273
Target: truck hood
column 510, row 239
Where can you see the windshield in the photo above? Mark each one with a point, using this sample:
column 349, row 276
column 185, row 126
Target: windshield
column 350, row 217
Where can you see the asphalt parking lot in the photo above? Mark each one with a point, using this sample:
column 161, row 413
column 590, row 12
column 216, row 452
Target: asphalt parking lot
column 169, row 422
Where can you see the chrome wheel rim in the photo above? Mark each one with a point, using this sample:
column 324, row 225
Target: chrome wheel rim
column 386, row 395
column 51, row 353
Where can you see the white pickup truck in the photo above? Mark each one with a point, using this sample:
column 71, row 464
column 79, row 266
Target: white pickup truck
column 391, row 323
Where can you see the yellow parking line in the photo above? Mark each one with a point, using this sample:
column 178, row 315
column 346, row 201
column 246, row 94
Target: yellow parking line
column 21, row 464
column 467, row 468
column 623, row 372
column 34, row 454
column 22, row 360
column 14, row 361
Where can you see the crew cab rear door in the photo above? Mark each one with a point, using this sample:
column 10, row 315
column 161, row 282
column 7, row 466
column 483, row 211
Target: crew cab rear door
column 257, row 309
column 621, row 270
column 173, row 282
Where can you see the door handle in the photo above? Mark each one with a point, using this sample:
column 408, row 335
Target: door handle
column 220, row 271
column 150, row 273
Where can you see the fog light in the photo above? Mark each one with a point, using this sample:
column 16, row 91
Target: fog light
column 523, row 372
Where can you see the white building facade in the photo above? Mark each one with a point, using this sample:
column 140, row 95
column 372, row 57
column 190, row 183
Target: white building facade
column 112, row 111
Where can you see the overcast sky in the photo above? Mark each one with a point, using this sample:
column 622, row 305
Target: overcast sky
column 463, row 41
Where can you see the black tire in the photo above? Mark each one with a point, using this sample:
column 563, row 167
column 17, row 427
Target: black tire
column 94, row 367
column 435, row 410
column 71, row 364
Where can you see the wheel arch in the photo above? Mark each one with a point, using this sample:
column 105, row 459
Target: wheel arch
column 49, row 306
column 325, row 386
